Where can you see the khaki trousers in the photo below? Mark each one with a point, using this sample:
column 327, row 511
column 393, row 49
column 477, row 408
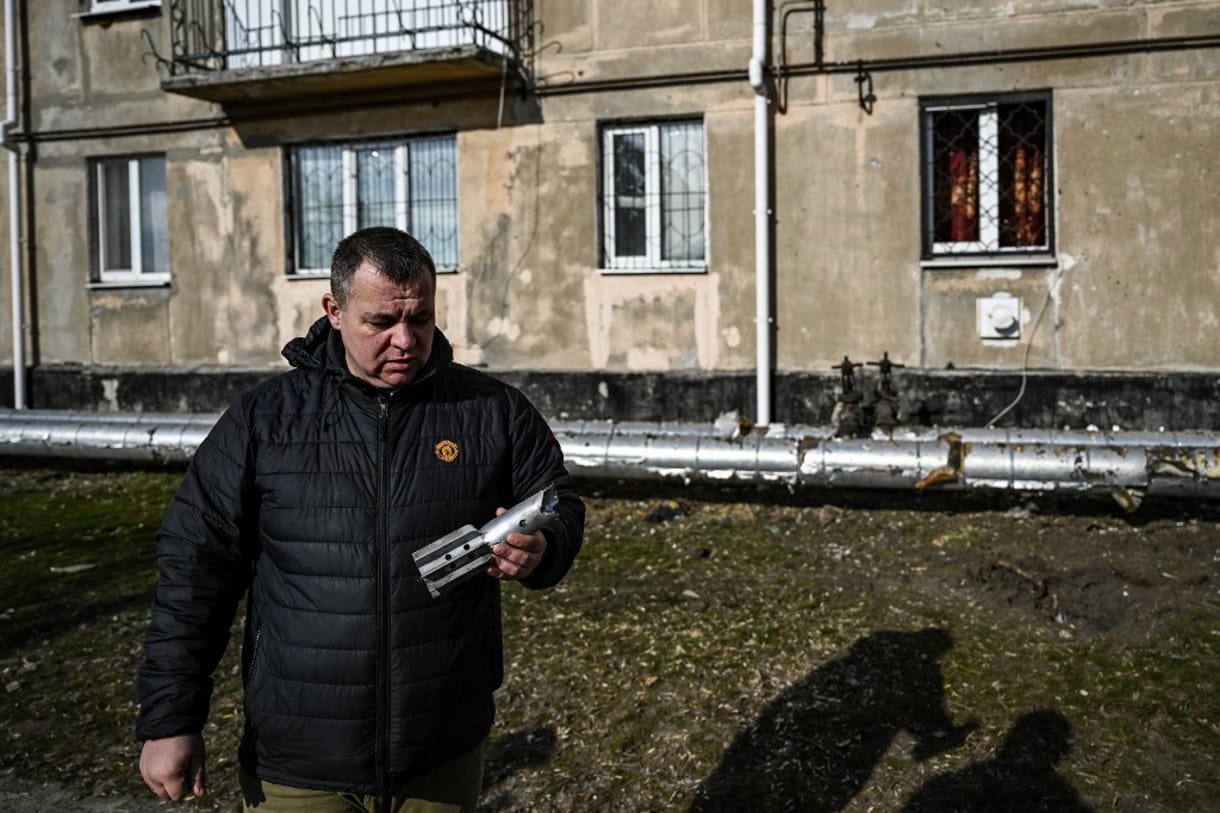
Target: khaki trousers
column 449, row 788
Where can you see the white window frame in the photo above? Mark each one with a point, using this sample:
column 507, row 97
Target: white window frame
column 652, row 260
column 134, row 274
column 989, row 194
column 351, row 187
column 350, row 203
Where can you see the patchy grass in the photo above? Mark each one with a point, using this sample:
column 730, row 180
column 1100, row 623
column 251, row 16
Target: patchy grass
column 715, row 650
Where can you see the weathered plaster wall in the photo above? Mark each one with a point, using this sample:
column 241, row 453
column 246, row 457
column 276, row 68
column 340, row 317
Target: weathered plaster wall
column 506, row 308
column 228, row 213
column 1136, row 199
column 530, row 294
column 641, row 322
column 220, row 308
column 87, row 78
column 845, row 194
column 96, row 73
column 1132, row 288
column 1139, row 215
column 61, row 258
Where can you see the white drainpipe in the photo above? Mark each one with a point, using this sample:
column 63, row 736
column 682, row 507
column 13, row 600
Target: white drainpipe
column 14, row 205
column 762, row 216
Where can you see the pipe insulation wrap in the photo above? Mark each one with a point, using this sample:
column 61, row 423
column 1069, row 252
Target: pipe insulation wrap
column 103, row 436
column 1178, row 464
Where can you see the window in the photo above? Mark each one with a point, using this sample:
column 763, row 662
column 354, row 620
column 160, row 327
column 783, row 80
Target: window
column 407, row 183
column 654, row 196
column 987, row 176
column 132, row 228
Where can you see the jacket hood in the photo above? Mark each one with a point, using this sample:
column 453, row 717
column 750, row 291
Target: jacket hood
column 322, row 349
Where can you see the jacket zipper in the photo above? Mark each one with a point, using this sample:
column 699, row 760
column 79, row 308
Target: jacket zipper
column 383, row 603
column 254, row 652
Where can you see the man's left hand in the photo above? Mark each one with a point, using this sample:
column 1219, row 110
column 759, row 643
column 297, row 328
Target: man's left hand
column 516, row 557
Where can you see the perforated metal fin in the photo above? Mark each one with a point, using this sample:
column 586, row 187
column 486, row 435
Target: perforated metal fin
column 452, row 559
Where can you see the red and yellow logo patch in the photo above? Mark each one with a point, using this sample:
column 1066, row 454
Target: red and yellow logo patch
column 447, row 451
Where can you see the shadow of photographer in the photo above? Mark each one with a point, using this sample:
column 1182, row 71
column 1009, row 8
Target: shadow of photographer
column 507, row 755
column 1021, row 777
column 815, row 747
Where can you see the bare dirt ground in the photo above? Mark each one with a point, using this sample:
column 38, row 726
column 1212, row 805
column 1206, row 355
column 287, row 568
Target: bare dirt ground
column 954, row 652
column 715, row 650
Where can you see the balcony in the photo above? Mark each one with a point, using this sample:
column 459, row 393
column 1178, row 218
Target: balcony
column 242, row 53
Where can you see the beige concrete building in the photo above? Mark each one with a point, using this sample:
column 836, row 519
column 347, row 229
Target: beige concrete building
column 1016, row 198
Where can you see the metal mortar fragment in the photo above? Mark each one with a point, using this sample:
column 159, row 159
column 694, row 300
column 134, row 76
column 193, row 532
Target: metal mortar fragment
column 459, row 556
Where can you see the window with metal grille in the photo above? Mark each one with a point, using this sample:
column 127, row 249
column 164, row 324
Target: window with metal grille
column 410, row 184
column 987, row 176
column 654, row 196
column 131, row 229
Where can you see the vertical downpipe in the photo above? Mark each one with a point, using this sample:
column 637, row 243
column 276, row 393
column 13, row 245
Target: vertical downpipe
column 762, row 217
column 14, row 204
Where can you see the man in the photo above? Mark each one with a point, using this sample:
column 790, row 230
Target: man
column 311, row 493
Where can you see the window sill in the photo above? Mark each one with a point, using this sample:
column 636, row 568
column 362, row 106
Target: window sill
column 107, row 285
column 1023, row 260
column 124, row 10
column 610, row 272
column 325, row 275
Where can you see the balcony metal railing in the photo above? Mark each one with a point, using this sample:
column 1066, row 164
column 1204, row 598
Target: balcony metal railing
column 216, row 35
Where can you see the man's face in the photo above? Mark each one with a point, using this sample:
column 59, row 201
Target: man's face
column 387, row 328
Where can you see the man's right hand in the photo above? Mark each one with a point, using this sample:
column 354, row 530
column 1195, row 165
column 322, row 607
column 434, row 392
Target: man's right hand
column 173, row 767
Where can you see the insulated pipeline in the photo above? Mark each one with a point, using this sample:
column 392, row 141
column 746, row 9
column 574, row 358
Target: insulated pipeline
column 1179, row 464
column 1183, row 464
column 129, row 437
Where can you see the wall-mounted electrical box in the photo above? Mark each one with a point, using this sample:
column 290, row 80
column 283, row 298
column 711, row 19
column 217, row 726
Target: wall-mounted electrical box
column 999, row 317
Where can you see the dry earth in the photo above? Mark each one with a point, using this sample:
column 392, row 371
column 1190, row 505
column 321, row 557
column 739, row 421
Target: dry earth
column 715, row 650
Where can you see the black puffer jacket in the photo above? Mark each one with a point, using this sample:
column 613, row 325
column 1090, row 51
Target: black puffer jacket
column 312, row 491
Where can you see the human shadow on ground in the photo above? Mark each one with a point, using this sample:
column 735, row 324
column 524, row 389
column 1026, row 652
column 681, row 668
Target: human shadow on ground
column 1021, row 777
column 815, row 746
column 510, row 753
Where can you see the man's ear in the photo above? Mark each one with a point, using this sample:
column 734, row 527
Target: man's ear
column 333, row 312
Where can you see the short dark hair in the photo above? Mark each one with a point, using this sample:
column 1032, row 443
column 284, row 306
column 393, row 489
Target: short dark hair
column 395, row 254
